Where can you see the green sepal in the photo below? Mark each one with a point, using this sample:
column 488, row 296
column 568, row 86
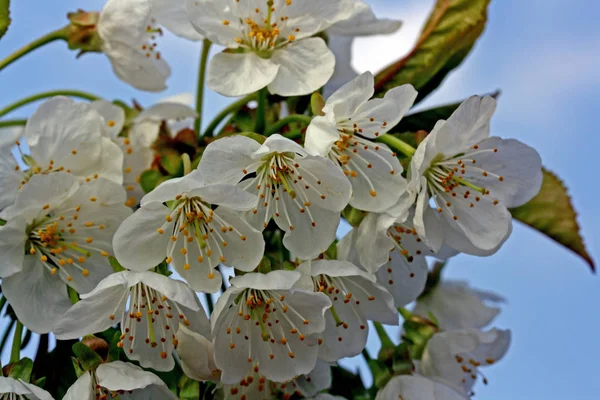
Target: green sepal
column 190, row 389
column 353, row 216
column 88, row 358
column 73, row 295
column 317, row 103
column 21, row 370
column 150, row 179
column 41, row 382
column 2, row 222
column 77, row 367
column 264, row 267
column 114, row 351
column 163, row 269
column 381, row 374
column 115, row 264
column 171, row 161
column 417, row 332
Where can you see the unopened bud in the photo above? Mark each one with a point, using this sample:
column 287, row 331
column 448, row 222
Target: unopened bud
column 98, row 345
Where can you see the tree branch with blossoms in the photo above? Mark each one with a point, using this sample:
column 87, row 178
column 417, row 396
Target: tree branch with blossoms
column 116, row 218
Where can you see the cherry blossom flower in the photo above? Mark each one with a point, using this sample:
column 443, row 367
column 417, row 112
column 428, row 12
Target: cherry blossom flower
column 171, row 15
column 138, row 154
column 61, row 135
column 269, row 43
column 303, row 193
column 473, row 179
column 196, row 353
column 119, row 380
column 416, row 387
column 13, row 389
column 262, row 323
column 356, row 298
column 457, row 306
column 151, row 308
column 192, row 236
column 362, row 22
column 344, row 135
column 58, row 234
column 455, row 357
column 129, row 31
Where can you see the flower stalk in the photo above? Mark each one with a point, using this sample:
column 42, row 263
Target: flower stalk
column 290, row 119
column 232, row 108
column 15, row 353
column 44, row 95
column 201, row 81
column 398, row 145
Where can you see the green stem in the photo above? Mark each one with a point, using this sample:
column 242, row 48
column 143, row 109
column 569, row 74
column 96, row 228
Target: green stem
column 386, row 342
column 2, row 302
column 366, row 355
column 397, row 144
column 15, row 353
column 45, row 95
column 209, row 301
column 201, row 81
column 13, row 122
column 60, row 34
column 290, row 119
column 233, row 107
column 261, row 111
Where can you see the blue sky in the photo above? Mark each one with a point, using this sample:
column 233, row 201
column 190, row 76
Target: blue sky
column 543, row 55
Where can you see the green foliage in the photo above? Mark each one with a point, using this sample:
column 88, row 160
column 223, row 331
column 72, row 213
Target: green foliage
column 190, row 389
column 87, row 357
column 4, row 16
column 417, row 332
column 21, row 370
column 446, row 40
column 552, row 214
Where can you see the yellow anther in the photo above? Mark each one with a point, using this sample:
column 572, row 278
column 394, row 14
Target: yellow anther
column 85, row 272
column 53, row 271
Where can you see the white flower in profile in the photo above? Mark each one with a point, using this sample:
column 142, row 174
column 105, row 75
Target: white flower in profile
column 344, row 134
column 356, row 298
column 58, row 234
column 263, row 321
column 129, row 30
column 416, row 387
column 136, row 146
column 362, row 22
column 196, row 353
column 189, row 233
column 150, row 307
column 269, row 43
column 20, row 390
column 457, row 306
column 171, row 14
column 473, row 179
column 119, row 380
column 62, row 135
column 303, row 193
column 455, row 357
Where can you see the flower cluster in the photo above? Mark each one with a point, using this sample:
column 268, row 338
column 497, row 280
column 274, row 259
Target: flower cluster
column 101, row 203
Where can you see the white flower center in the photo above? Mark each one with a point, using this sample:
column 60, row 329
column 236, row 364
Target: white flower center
column 151, row 321
column 462, row 178
column 63, row 242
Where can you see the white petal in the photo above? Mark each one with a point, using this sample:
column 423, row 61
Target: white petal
column 225, row 160
column 207, row 17
column 225, row 195
column 349, row 98
column 329, row 187
column 93, row 313
column 318, row 380
column 404, row 280
column 135, row 67
column 172, row 15
column 12, row 246
column 114, row 117
column 238, row 74
column 118, row 375
column 275, row 280
column 196, row 354
column 82, row 389
column 373, row 244
column 304, row 66
column 426, row 222
column 341, row 47
column 415, row 387
column 364, row 22
column 137, row 243
column 519, row 165
column 170, row 189
column 165, row 111
column 175, row 290
column 321, row 135
column 279, row 144
column 41, row 190
column 10, row 178
column 38, row 298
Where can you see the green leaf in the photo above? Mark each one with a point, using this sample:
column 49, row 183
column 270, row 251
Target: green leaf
column 552, row 214
column 88, row 358
column 4, row 16
column 21, row 370
column 446, row 40
column 114, row 352
column 150, row 179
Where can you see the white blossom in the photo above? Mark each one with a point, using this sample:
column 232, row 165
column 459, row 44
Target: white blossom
column 362, row 22
column 192, row 236
column 120, row 380
column 129, row 31
column 13, row 389
column 262, row 323
column 345, row 132
column 59, row 233
column 303, row 193
column 455, row 357
column 416, row 387
column 473, row 179
column 143, row 131
column 356, row 298
column 171, row 15
column 268, row 45
column 61, row 135
column 151, row 308
column 455, row 305
column 196, row 353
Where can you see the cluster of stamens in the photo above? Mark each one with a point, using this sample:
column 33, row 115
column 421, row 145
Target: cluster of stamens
column 149, row 48
column 102, row 393
column 469, row 367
